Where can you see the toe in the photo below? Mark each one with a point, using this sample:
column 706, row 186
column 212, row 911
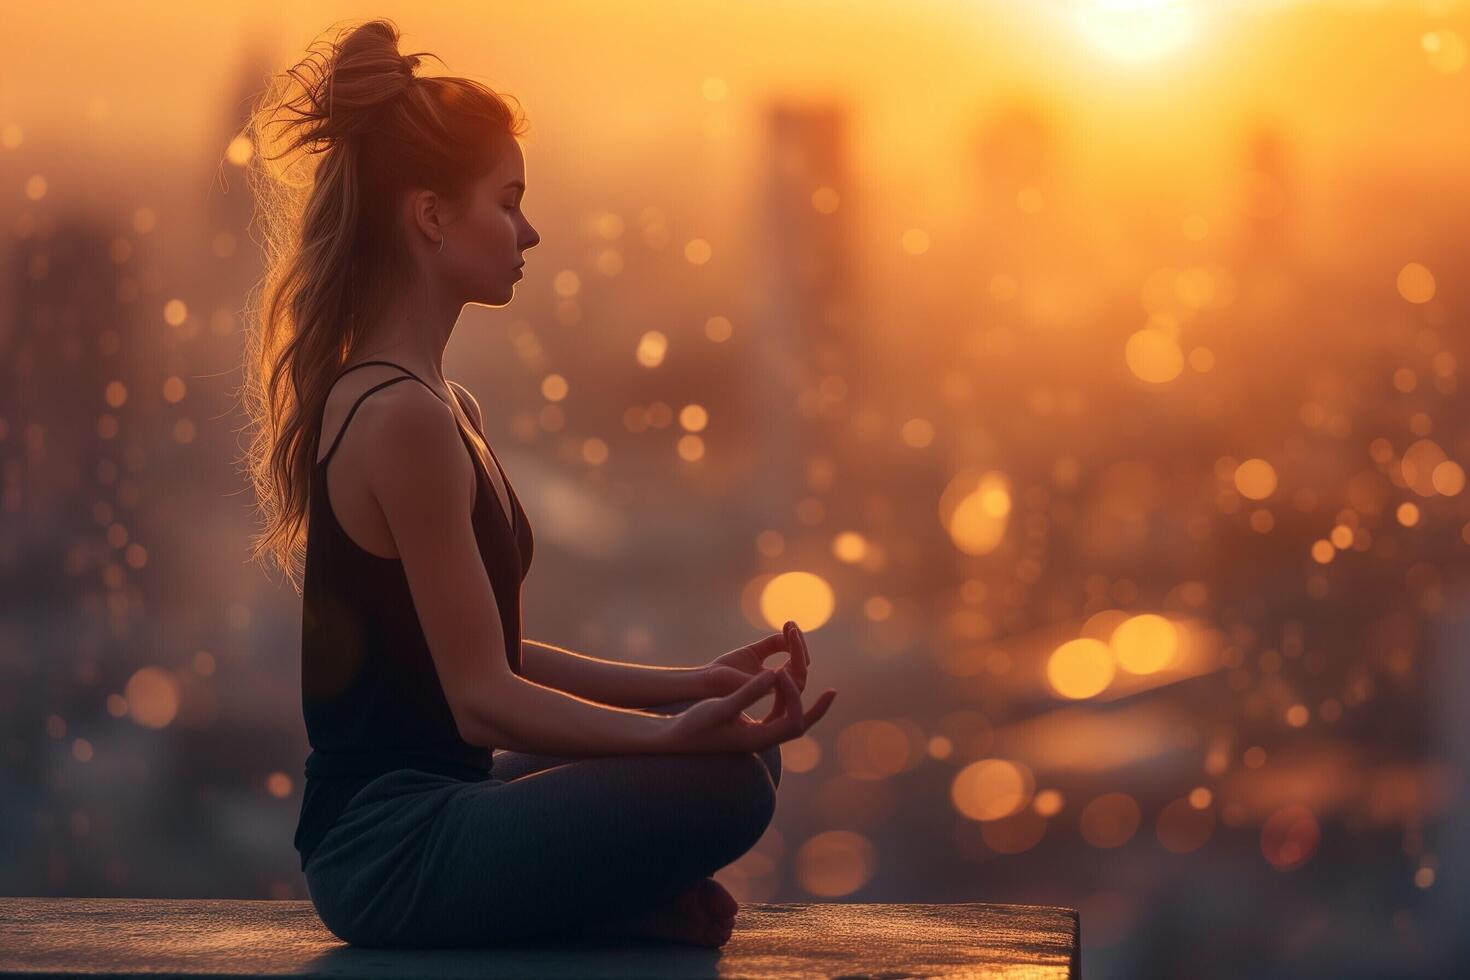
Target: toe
column 718, row 900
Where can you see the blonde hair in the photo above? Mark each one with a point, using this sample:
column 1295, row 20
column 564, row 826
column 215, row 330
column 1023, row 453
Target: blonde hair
column 338, row 137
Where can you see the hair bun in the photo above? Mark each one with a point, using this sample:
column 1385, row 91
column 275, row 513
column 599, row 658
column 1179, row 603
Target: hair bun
column 337, row 91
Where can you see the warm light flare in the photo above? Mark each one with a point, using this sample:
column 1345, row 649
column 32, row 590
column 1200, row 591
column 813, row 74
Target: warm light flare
column 835, row 863
column 992, row 789
column 802, row 596
column 1080, row 668
column 975, row 509
column 1145, row 644
column 1135, row 31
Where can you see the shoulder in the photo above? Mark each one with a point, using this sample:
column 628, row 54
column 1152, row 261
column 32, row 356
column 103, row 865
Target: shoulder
column 472, row 406
column 416, row 439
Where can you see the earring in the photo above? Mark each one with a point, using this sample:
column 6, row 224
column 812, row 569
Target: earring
column 441, row 244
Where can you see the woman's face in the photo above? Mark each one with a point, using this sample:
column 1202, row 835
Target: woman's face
column 484, row 246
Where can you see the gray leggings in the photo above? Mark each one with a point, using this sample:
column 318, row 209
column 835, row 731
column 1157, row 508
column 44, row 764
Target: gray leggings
column 546, row 846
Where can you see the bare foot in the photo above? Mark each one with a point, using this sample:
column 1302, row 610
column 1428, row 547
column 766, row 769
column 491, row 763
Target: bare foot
column 719, row 901
column 701, row 915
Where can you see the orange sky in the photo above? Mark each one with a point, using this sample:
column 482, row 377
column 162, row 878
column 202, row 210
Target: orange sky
column 151, row 74
column 113, row 95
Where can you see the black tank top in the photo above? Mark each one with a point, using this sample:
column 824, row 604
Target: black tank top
column 370, row 693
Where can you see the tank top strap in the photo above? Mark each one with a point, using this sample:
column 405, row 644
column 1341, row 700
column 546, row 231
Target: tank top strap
column 388, row 364
column 353, row 411
column 481, row 433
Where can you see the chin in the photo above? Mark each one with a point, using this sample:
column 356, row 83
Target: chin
column 495, row 302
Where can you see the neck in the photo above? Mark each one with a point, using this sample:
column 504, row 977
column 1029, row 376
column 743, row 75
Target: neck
column 411, row 335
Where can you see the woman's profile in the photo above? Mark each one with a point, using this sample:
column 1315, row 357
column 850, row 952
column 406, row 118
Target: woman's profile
column 464, row 787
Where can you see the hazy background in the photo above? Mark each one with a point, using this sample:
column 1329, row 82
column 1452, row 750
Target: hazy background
column 1082, row 374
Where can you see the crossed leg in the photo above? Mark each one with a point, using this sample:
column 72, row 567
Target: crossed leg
column 558, row 847
column 547, row 848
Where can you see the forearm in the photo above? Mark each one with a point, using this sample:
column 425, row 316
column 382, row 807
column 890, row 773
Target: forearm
column 528, row 717
column 608, row 681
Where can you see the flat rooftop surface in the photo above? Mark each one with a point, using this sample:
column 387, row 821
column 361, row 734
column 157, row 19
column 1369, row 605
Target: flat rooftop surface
column 122, row 937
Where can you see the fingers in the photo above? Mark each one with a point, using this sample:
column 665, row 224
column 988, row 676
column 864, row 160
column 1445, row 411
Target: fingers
column 747, row 694
column 768, row 645
column 786, row 710
column 792, row 708
column 819, row 709
column 778, row 704
column 800, row 657
column 796, row 641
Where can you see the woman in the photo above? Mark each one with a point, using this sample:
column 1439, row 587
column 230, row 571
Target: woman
column 388, row 201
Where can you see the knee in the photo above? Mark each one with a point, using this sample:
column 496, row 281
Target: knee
column 772, row 758
column 332, row 913
column 745, row 793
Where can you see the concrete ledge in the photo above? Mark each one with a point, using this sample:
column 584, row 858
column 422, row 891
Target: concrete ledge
column 86, row 937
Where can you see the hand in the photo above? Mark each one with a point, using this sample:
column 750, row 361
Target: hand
column 720, row 724
column 727, row 673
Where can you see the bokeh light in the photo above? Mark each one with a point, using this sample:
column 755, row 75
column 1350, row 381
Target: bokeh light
column 835, row 863
column 990, row 789
column 1080, row 668
column 1110, row 820
column 1289, row 837
column 804, row 597
column 152, row 695
column 1145, row 644
column 975, row 507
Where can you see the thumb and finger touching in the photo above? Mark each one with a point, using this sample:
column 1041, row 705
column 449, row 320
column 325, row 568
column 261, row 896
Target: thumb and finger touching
column 783, row 682
column 800, row 657
column 746, row 694
column 778, row 705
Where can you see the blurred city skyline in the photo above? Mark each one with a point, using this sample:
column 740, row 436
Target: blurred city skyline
column 1083, row 376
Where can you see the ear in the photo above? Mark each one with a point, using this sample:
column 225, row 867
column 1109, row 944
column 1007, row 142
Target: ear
column 426, row 214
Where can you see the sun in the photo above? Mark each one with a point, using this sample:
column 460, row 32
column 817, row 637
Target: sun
column 1136, row 31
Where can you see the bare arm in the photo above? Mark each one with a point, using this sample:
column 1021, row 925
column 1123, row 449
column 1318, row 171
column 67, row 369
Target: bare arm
column 606, row 681
column 423, row 480
column 611, row 682
column 545, row 721
column 597, row 681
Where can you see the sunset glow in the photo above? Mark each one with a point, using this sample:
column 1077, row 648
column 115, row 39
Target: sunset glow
column 1082, row 377
column 1136, row 31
